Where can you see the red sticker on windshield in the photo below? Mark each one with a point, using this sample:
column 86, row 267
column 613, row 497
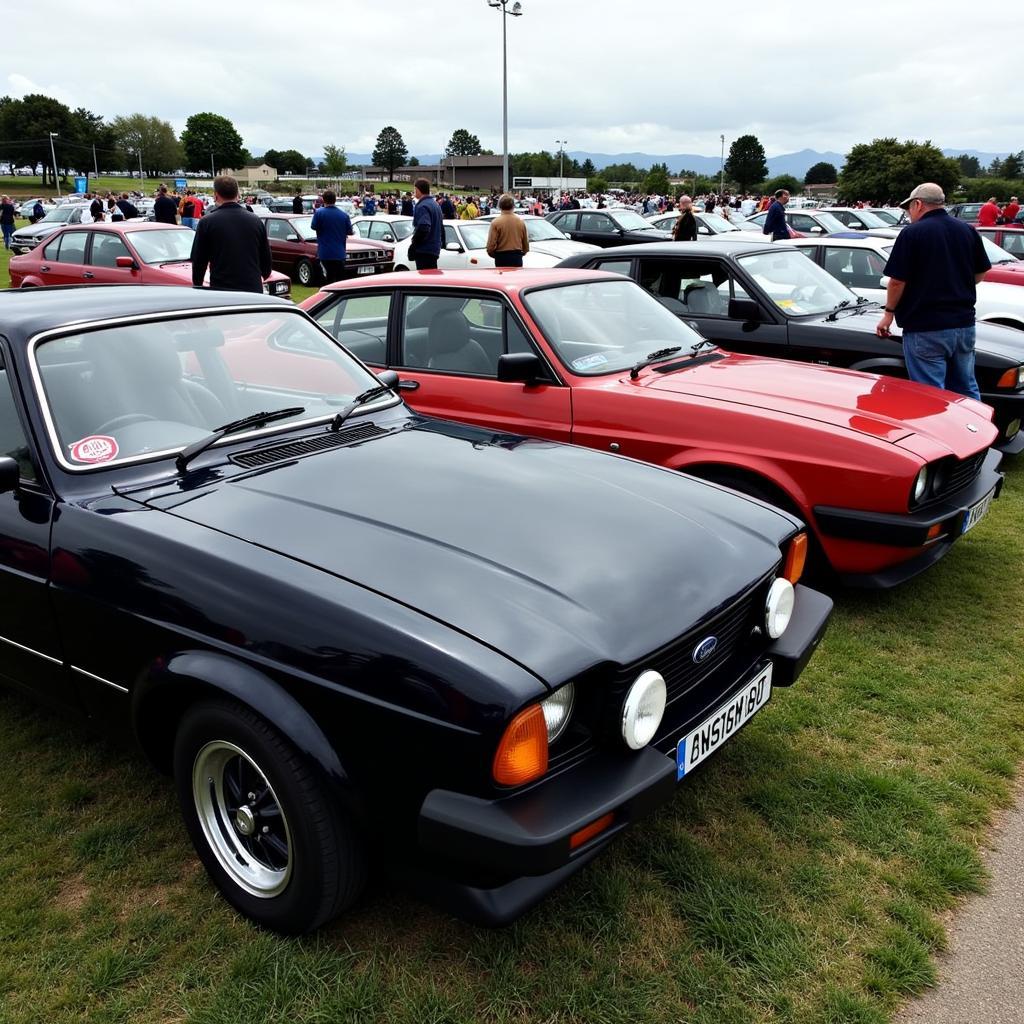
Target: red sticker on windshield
column 95, row 448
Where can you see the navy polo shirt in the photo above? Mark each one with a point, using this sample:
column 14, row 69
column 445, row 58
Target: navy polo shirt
column 937, row 257
column 332, row 226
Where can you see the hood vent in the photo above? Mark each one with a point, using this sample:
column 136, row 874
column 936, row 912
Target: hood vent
column 306, row 446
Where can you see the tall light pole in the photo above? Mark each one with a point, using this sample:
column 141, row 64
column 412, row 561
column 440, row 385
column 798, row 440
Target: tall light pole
column 213, row 169
column 56, row 175
column 516, row 11
column 721, row 176
column 561, row 154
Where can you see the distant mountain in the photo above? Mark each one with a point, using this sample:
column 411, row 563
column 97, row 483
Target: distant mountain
column 985, row 159
column 796, row 164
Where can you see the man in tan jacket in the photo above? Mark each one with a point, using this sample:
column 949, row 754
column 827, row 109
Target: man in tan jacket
column 507, row 241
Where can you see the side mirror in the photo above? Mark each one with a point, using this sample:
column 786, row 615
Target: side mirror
column 127, row 262
column 10, row 475
column 389, row 378
column 519, row 367
column 291, row 238
column 744, row 309
column 454, row 247
column 817, row 230
column 387, row 238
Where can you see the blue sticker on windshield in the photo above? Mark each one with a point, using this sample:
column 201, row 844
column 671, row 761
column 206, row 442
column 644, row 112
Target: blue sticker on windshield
column 589, row 362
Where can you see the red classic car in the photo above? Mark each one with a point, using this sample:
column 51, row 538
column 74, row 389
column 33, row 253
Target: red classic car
column 887, row 474
column 126, row 253
column 293, row 249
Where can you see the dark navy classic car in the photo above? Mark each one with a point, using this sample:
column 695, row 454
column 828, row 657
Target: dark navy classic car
column 353, row 632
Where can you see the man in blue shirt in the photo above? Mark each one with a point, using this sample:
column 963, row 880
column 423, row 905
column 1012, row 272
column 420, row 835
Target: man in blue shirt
column 775, row 221
column 427, row 230
column 935, row 263
column 332, row 227
column 369, row 205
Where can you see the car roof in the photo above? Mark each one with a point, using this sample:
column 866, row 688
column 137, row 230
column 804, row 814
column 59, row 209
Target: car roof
column 28, row 311
column 717, row 248
column 853, row 240
column 505, row 279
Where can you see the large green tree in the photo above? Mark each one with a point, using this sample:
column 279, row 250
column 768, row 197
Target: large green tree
column 821, row 173
column 746, row 163
column 461, row 144
column 27, row 124
column 970, row 166
column 886, row 169
column 153, row 138
column 287, row 161
column 786, row 181
column 335, row 162
column 656, row 181
column 390, row 151
column 209, row 135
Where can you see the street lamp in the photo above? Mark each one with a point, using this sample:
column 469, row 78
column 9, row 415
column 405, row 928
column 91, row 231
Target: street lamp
column 516, row 11
column 56, row 176
column 561, row 153
column 721, row 176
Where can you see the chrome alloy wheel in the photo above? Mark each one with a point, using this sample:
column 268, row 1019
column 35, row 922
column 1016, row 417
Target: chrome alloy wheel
column 242, row 819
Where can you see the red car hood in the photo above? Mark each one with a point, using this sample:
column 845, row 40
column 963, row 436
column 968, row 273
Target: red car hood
column 1007, row 273
column 881, row 407
column 183, row 271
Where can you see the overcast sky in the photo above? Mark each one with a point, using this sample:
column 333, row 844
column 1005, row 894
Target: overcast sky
column 661, row 76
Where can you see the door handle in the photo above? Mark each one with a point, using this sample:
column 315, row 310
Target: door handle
column 88, row 273
column 408, row 385
column 44, row 268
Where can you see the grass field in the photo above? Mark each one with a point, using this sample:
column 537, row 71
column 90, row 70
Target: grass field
column 802, row 875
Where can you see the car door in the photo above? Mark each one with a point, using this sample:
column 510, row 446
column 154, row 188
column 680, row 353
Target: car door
column 446, row 346
column 860, row 269
column 568, row 223
column 452, row 259
column 102, row 258
column 599, row 229
column 382, row 231
column 285, row 247
column 804, row 223
column 67, row 263
column 30, row 650
column 359, row 321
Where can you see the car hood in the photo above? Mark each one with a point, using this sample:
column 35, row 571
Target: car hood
column 561, row 248
column 880, row 407
column 39, row 230
column 557, row 556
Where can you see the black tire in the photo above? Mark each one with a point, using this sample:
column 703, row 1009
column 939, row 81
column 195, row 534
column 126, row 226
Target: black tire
column 307, row 273
column 289, row 862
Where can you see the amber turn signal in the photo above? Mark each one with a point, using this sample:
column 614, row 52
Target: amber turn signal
column 585, row 834
column 522, row 754
column 1010, row 379
column 796, row 558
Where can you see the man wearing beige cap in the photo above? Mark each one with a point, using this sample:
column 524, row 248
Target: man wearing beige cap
column 933, row 268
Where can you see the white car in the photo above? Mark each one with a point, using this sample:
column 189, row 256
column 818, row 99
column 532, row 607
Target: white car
column 27, row 238
column 465, row 248
column 545, row 238
column 383, row 227
column 710, row 225
column 860, row 264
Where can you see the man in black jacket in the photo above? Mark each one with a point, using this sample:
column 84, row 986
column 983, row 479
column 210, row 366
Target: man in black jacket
column 232, row 243
column 165, row 209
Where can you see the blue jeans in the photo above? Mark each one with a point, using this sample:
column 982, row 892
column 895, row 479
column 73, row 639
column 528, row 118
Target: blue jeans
column 8, row 231
column 189, row 222
column 944, row 359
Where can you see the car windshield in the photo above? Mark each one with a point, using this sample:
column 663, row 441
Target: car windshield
column 606, row 326
column 475, row 235
column 145, row 390
column 169, row 245
column 543, row 231
column 887, row 219
column 717, row 224
column 796, row 284
column 60, row 214
column 996, row 253
column 869, row 219
column 830, row 223
column 400, row 228
column 630, row 221
column 302, row 225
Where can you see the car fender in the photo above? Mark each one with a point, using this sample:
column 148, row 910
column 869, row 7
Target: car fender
column 885, row 366
column 31, row 281
column 780, row 487
column 165, row 692
column 1014, row 320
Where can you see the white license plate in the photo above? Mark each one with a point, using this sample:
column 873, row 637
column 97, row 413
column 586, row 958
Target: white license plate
column 366, row 270
column 976, row 512
column 723, row 723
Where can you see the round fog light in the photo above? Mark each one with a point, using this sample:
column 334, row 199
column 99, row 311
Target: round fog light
column 642, row 709
column 778, row 609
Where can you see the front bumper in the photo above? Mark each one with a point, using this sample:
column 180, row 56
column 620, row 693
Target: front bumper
column 366, row 269
column 911, row 529
column 1008, row 406
column 524, row 840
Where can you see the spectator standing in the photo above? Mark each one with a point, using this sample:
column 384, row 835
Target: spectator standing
column 1010, row 210
column 113, row 210
column 297, row 203
column 935, row 263
column 231, row 243
column 96, row 209
column 369, row 205
column 427, row 230
column 165, row 209
column 470, row 211
column 127, row 207
column 407, row 207
column 507, row 239
column 447, row 207
column 775, row 223
column 187, row 210
column 685, row 229
column 332, row 227
column 7, row 213
column 38, row 213
column 989, row 214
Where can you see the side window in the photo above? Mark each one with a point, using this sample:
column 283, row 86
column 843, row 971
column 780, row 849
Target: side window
column 567, row 222
column 801, row 222
column 595, row 222
column 72, row 247
column 449, row 333
column 362, row 228
column 1013, row 241
column 360, row 323
column 105, row 250
column 277, row 229
column 689, row 287
column 616, row 267
column 382, row 230
column 13, row 443
column 51, row 250
column 856, row 268
column 450, row 236
column 515, row 337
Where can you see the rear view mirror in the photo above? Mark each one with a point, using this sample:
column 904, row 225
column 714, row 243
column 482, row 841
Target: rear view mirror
column 744, row 309
column 519, row 367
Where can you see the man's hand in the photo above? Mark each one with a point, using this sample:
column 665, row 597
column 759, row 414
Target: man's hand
column 884, row 326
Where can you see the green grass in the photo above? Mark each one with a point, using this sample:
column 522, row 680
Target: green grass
column 801, row 876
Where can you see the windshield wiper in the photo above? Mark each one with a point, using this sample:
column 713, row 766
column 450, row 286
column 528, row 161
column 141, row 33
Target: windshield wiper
column 834, row 313
column 187, row 454
column 694, row 349
column 653, row 357
column 374, row 392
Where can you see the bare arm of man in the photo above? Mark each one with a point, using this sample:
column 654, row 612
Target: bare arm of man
column 893, row 294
